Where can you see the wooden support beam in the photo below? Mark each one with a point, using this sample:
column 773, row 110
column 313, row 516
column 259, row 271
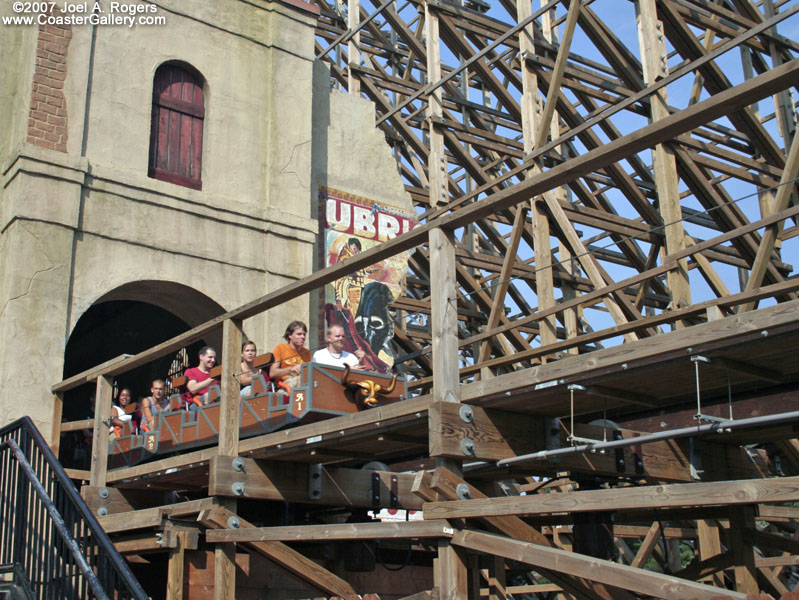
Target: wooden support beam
column 224, row 558
column 438, row 175
column 641, row 277
column 115, row 500
column 710, row 547
column 55, row 433
column 445, row 483
column 230, row 402
column 176, row 568
column 772, row 234
column 780, row 316
column 289, row 482
column 715, row 81
column 89, row 375
column 651, row 539
column 444, row 327
column 655, row 65
column 304, row 568
column 450, row 573
column 670, row 127
column 557, row 73
column 353, row 47
column 335, row 531
column 753, row 537
column 590, row 265
column 498, row 305
column 150, row 541
column 729, row 493
column 444, row 317
column 482, row 434
column 594, row 569
column 102, row 410
column 497, row 586
column 742, row 519
column 152, row 517
column 76, row 425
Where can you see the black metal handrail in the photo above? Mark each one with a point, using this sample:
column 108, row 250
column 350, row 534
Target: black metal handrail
column 47, row 530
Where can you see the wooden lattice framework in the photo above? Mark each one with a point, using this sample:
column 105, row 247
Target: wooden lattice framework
column 607, row 247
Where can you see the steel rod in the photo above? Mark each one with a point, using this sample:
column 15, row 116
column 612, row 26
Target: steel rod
column 719, row 427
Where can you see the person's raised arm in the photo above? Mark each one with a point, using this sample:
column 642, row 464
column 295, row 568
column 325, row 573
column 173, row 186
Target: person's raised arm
column 196, row 386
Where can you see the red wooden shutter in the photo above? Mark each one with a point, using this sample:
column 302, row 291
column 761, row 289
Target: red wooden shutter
column 177, row 128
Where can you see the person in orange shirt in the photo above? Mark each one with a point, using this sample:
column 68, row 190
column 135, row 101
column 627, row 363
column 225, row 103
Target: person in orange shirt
column 289, row 357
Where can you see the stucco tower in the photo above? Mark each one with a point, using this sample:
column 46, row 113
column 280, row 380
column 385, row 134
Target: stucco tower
column 159, row 173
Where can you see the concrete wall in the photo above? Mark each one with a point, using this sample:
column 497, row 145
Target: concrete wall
column 77, row 225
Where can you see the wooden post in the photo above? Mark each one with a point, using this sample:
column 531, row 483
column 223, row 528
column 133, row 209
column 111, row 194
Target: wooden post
column 741, row 519
column 177, row 561
column 225, row 554
column 230, row 401
column 444, row 310
column 58, row 409
column 544, row 280
column 655, row 63
column 225, row 561
column 569, row 292
column 450, row 573
column 497, row 588
column 437, row 160
column 102, row 410
column 353, row 47
column 535, row 128
column 444, row 327
column 444, row 317
column 475, row 576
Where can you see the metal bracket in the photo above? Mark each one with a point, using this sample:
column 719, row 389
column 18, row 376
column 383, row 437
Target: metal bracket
column 621, row 465
column 315, row 481
column 695, row 460
column 376, row 489
column 393, row 498
column 638, row 452
column 575, row 387
column 699, row 416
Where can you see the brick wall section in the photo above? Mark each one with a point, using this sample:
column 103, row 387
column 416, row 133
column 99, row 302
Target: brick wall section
column 47, row 121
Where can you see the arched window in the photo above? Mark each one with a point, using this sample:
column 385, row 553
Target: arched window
column 176, row 135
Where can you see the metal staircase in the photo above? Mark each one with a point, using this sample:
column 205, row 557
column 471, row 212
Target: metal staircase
column 51, row 546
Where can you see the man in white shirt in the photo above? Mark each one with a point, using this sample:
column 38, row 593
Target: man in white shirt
column 335, row 355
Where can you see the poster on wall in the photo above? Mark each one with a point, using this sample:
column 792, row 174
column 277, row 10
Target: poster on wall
column 360, row 301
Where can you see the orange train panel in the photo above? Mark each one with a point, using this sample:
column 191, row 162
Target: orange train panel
column 320, row 395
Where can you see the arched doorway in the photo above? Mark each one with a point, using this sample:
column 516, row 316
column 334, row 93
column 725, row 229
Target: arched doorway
column 129, row 320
